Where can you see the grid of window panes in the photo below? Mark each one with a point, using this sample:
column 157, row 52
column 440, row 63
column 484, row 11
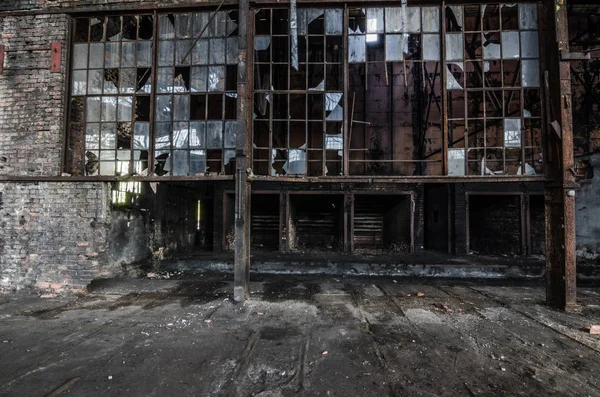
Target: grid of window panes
column 298, row 113
column 493, row 82
column 395, row 91
column 195, row 109
column 110, row 92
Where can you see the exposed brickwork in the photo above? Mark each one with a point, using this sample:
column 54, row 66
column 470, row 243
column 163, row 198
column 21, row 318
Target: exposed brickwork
column 31, row 100
column 53, row 235
column 53, row 5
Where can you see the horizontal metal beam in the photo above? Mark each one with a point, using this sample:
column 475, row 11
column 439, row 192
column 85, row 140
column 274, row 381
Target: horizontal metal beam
column 80, row 178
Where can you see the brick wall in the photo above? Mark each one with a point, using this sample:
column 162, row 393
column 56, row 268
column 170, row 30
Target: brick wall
column 31, row 100
column 53, row 235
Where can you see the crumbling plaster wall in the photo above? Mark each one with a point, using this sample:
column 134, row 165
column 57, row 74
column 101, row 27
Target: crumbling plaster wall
column 588, row 212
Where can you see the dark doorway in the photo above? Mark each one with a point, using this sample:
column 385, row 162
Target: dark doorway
column 265, row 222
column 436, row 217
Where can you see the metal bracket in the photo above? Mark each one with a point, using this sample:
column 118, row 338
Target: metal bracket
column 55, row 49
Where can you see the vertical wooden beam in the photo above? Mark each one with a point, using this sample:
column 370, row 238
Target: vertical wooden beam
column 1, row 58
column 241, row 278
column 560, row 191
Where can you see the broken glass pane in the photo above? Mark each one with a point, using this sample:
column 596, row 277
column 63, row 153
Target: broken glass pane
column 455, row 76
column 431, row 19
column 491, row 45
column 216, row 78
column 528, row 16
column 181, row 79
column 510, row 45
column 232, row 51
column 530, row 75
column 512, row 132
column 79, row 82
column 456, row 162
column 217, row 51
column 91, row 164
column 230, row 134
column 394, row 47
column 431, row 47
column 262, row 52
column 356, row 52
column 197, row 129
column 141, row 136
column 166, row 51
column 92, row 136
column 111, row 81
column 180, row 160
column 529, row 45
column 144, row 53
column 374, row 20
column 454, row 46
column 228, row 155
column 162, row 163
column 163, row 108
column 333, row 106
column 315, row 21
column 180, row 135
column 80, row 56
column 333, row 21
column 232, row 23
column 334, row 142
column 166, row 27
column 454, row 18
column 109, row 108
column 96, row 56
column 214, row 134
column 296, row 164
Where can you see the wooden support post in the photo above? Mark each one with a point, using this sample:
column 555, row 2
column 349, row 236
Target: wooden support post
column 241, row 277
column 560, row 191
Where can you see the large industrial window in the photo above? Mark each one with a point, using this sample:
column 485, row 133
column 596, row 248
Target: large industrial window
column 298, row 100
column 140, row 110
column 493, row 84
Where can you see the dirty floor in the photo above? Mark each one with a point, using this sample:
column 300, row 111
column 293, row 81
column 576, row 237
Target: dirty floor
column 299, row 336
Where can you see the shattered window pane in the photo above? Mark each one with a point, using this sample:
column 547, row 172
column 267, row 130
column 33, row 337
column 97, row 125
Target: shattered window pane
column 491, row 45
column 333, row 106
column 455, row 76
column 216, row 78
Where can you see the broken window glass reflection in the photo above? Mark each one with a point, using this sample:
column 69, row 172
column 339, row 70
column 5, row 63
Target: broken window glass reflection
column 530, row 75
column 512, row 132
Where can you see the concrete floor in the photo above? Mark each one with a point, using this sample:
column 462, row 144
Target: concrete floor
column 300, row 336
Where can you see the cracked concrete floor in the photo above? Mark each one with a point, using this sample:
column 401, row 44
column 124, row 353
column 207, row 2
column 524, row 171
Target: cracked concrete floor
column 298, row 336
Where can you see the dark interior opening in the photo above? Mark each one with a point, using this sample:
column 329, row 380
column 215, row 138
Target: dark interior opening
column 382, row 222
column 228, row 243
column 495, row 224
column 316, row 222
column 265, row 222
column 436, row 217
column 537, row 224
column 204, row 224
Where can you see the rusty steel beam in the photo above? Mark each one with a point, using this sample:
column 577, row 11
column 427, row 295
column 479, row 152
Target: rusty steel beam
column 560, row 191
column 241, row 271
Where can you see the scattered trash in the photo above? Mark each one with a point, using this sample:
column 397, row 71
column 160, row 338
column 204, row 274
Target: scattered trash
column 260, row 314
column 420, row 294
column 394, row 281
column 503, row 369
column 208, row 321
column 408, row 294
column 48, row 296
column 594, row 329
column 325, row 353
column 109, row 377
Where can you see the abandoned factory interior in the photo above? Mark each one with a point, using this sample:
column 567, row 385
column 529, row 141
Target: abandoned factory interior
column 419, row 137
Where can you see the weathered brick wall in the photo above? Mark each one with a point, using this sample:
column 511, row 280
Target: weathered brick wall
column 53, row 234
column 40, row 5
column 31, row 100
